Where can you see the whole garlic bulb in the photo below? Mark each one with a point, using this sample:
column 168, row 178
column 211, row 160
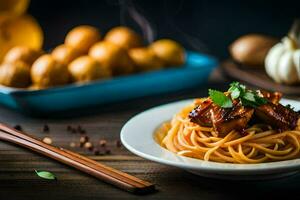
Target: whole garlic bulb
column 282, row 62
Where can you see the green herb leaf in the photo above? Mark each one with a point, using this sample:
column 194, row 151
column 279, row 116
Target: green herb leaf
column 249, row 96
column 235, row 93
column 241, row 87
column 248, row 103
column 45, row 175
column 220, row 98
column 236, row 89
column 260, row 100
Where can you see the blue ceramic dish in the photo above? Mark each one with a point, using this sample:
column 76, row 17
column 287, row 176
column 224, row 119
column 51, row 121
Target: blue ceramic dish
column 195, row 71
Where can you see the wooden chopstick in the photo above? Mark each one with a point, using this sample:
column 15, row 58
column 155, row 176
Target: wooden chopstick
column 79, row 158
column 100, row 171
column 101, row 166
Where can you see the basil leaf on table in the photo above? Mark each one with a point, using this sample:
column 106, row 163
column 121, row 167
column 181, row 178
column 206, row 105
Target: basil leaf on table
column 45, row 175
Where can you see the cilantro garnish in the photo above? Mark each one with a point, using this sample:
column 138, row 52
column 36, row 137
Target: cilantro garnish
column 237, row 91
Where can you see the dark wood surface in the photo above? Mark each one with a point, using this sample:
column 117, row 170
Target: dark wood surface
column 19, row 181
column 257, row 77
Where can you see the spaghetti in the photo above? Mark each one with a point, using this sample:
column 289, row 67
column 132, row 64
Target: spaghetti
column 259, row 143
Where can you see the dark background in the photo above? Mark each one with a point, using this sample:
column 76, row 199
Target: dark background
column 203, row 25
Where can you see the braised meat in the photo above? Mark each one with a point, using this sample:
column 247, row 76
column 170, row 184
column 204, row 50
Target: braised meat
column 278, row 116
column 273, row 97
column 225, row 120
column 201, row 114
column 237, row 117
column 222, row 119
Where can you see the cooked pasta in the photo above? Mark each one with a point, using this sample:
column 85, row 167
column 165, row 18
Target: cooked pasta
column 256, row 144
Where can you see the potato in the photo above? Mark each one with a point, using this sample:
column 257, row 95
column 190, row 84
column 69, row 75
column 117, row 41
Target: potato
column 15, row 74
column 169, row 51
column 85, row 68
column 82, row 38
column 251, row 49
column 112, row 56
column 124, row 37
column 145, row 59
column 47, row 72
column 22, row 53
column 65, row 54
column 36, row 87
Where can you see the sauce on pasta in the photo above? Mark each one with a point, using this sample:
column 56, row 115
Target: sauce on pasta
column 258, row 143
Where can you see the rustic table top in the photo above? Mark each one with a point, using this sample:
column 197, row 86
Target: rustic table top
column 19, row 181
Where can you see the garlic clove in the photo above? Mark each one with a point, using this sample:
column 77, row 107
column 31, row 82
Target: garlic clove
column 271, row 61
column 296, row 60
column 286, row 68
column 289, row 43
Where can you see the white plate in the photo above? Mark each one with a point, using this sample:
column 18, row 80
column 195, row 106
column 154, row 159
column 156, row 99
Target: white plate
column 137, row 136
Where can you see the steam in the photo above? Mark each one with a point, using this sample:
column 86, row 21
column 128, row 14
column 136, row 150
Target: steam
column 129, row 12
column 127, row 7
column 191, row 40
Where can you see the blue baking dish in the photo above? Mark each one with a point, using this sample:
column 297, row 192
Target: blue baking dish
column 195, row 71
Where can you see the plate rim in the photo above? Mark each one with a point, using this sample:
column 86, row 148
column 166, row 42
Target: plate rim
column 207, row 166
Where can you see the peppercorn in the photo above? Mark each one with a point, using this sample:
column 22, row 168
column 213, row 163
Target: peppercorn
column 47, row 140
column 46, row 128
column 18, row 127
column 102, row 143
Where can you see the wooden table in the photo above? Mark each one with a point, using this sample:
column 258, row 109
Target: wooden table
column 19, row 181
